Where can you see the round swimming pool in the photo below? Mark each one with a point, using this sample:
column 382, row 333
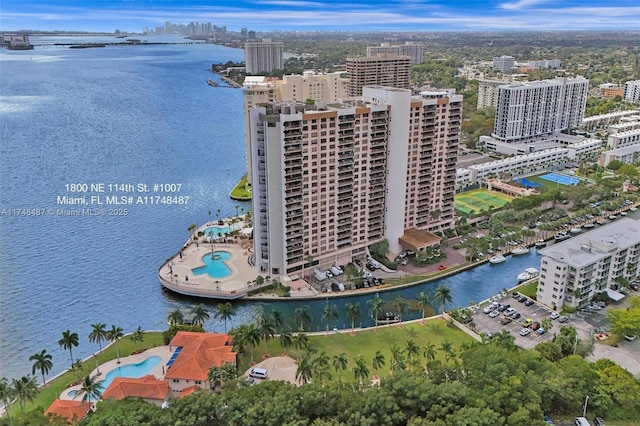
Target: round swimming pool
column 132, row 370
column 214, row 265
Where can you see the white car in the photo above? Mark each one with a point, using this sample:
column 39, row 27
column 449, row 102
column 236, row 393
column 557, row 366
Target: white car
column 554, row 315
column 525, row 332
column 488, row 309
column 494, row 314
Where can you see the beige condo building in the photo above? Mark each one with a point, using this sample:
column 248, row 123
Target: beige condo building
column 332, row 178
column 386, row 69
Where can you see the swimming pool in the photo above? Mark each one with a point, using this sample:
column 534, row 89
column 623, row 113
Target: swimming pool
column 132, row 370
column 214, row 265
column 219, row 231
column 561, row 179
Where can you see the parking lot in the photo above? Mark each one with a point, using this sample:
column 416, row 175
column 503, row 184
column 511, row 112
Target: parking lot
column 485, row 323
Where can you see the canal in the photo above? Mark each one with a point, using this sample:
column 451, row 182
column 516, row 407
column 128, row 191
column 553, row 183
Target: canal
column 473, row 285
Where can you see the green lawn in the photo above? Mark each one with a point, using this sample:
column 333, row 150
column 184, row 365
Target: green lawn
column 242, row 190
column 529, row 290
column 367, row 342
column 54, row 388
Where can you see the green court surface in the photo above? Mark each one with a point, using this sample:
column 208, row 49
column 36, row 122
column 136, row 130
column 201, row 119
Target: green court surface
column 480, row 200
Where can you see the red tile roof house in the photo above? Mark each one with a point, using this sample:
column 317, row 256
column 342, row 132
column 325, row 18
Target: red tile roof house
column 195, row 354
column 70, row 410
column 148, row 388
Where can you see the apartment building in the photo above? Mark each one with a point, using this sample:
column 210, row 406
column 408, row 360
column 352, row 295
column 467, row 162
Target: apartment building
column 412, row 50
column 386, row 69
column 333, row 178
column 627, row 155
column 573, row 271
column 545, row 63
column 632, row 91
column 504, row 64
column 488, row 92
column 623, row 139
column 601, row 121
column 529, row 110
column 263, row 56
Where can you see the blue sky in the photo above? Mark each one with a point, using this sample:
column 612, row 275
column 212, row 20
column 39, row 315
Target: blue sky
column 330, row 15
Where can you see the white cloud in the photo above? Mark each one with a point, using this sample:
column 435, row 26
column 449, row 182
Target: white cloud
column 521, row 4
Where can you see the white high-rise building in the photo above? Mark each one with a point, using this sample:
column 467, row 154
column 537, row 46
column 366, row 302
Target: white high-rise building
column 529, row 110
column 263, row 57
column 505, row 64
column 632, row 91
column 331, row 179
column 573, row 271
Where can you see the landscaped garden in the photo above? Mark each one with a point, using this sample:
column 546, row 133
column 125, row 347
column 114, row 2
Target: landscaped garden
column 480, row 200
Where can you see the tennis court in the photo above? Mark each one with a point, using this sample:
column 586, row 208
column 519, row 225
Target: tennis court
column 480, row 200
column 561, row 179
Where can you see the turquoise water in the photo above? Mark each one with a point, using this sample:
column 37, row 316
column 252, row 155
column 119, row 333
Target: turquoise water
column 214, row 265
column 132, row 370
column 561, row 179
column 217, row 231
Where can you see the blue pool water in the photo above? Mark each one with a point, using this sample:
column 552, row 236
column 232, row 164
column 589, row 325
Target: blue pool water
column 217, row 231
column 561, row 179
column 132, row 370
column 214, row 265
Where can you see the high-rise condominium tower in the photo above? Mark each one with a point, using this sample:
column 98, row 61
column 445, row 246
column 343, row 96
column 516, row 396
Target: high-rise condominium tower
column 386, row 69
column 263, row 57
column 529, row 110
column 331, row 179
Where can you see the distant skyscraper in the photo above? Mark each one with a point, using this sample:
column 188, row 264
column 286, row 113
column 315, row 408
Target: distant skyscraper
column 545, row 63
column 385, row 70
column 632, row 91
column 331, row 179
column 412, row 50
column 263, row 57
column 505, row 64
column 528, row 110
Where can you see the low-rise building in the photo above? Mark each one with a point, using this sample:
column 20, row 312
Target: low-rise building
column 573, row 271
column 627, row 155
column 71, row 410
column 148, row 388
column 623, row 139
column 601, row 121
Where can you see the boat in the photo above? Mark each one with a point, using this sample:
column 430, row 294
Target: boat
column 520, row 250
column 576, row 230
column 623, row 213
column 601, row 221
column 498, row 258
column 589, row 225
column 613, row 217
column 633, row 209
column 528, row 274
column 561, row 236
column 388, row 318
column 541, row 243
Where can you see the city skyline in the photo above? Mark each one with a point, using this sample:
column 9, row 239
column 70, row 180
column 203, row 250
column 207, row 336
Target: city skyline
column 355, row 15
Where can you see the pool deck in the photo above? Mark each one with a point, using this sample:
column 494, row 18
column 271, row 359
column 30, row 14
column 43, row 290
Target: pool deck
column 157, row 371
column 176, row 274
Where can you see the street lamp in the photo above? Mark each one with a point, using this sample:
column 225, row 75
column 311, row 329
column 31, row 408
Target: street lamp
column 584, row 410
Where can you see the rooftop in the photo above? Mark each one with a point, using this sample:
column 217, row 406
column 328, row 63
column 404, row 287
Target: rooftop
column 594, row 245
column 72, row 411
column 200, row 352
column 144, row 387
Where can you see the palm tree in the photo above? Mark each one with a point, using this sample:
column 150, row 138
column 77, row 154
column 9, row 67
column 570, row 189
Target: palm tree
column 360, row 371
column 114, row 335
column 411, row 349
column 397, row 359
column 175, row 317
column 98, row 334
column 200, row 314
column 302, row 316
column 401, row 306
column 300, row 341
column 267, row 331
column 42, row 363
column 285, row 340
column 24, row 389
column 447, row 348
column 340, row 363
column 137, row 336
column 330, row 313
column 429, row 351
column 376, row 309
column 91, row 389
column 321, row 367
column 252, row 337
column 278, row 318
column 424, row 301
column 353, row 313
column 6, row 394
column 68, row 341
column 547, row 324
column 378, row 360
column 304, row 371
column 77, row 368
column 442, row 296
column 224, row 311
column 506, row 339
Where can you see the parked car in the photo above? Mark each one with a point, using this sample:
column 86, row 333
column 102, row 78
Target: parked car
column 488, row 309
column 494, row 313
column 598, row 421
column 554, row 315
column 527, row 322
column 528, row 302
column 505, row 321
column 503, row 308
column 525, row 332
column 563, row 318
column 509, row 311
column 541, row 331
column 535, row 325
column 516, row 315
column 522, row 299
